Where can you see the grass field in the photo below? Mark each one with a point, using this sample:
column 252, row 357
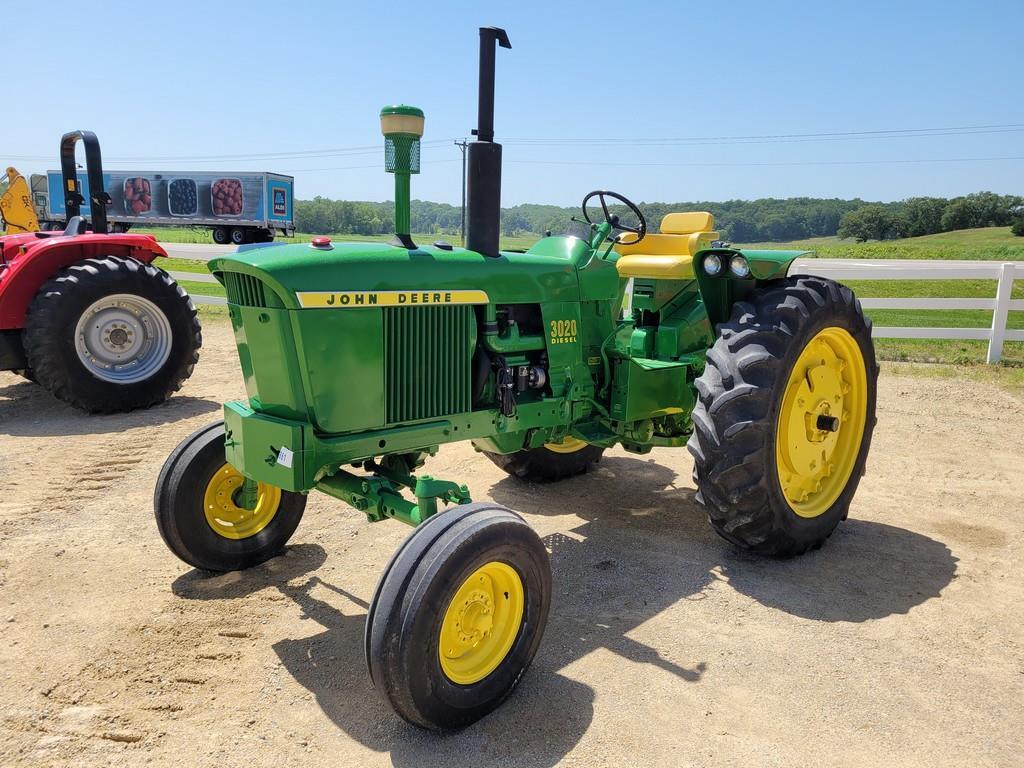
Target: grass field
column 988, row 244
column 995, row 243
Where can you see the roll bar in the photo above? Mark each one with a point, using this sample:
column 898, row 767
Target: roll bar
column 98, row 197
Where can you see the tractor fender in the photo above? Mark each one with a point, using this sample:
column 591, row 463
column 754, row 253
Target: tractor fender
column 37, row 260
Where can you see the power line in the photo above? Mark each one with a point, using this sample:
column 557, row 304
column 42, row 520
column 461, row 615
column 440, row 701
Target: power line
column 362, row 167
column 893, row 133
column 897, row 133
column 249, row 157
column 749, row 165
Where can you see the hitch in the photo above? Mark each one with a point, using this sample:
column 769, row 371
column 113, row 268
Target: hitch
column 379, row 495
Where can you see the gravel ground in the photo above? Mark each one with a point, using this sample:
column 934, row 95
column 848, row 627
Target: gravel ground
column 900, row 643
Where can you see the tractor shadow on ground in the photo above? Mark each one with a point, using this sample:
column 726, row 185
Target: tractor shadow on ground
column 645, row 548
column 330, row 664
column 26, row 409
column 642, row 529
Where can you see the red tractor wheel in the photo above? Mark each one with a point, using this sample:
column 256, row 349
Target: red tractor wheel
column 111, row 334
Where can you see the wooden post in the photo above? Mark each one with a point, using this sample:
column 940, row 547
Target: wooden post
column 1000, row 314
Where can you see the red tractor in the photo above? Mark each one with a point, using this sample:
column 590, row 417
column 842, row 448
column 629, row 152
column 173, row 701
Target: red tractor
column 85, row 313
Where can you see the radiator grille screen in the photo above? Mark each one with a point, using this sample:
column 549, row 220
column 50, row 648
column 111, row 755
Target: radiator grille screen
column 428, row 353
column 244, row 290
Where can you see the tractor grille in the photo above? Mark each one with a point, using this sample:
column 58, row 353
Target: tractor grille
column 428, row 354
column 244, row 290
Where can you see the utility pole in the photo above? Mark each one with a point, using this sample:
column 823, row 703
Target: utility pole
column 462, row 227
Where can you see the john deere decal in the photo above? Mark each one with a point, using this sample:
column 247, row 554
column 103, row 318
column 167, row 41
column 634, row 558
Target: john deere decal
column 359, row 299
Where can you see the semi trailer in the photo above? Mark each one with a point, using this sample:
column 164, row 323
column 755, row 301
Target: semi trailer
column 242, row 207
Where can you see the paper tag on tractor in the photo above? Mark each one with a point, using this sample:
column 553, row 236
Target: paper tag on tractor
column 284, row 458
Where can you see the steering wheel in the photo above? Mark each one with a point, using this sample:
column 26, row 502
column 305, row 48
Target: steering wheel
column 640, row 231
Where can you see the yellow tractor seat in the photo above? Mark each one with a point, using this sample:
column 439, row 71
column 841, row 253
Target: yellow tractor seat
column 669, row 255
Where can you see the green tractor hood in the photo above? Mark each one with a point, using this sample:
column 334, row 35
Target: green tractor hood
column 303, row 276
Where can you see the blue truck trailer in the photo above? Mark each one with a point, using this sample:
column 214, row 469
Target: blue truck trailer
column 243, row 207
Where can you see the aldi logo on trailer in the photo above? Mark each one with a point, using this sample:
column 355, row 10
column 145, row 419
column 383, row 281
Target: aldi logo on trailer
column 361, row 299
column 280, row 203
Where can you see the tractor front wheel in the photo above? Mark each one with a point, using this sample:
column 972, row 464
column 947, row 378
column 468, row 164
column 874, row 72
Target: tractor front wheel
column 550, row 462
column 785, row 413
column 112, row 334
column 211, row 517
column 458, row 615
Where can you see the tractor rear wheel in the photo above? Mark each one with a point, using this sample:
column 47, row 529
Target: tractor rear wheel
column 550, row 462
column 785, row 414
column 112, row 334
column 458, row 615
column 203, row 512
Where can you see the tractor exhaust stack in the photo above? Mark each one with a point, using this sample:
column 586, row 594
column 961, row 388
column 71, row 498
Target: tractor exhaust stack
column 483, row 174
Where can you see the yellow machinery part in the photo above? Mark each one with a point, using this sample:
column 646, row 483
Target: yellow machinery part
column 669, row 255
column 16, row 205
column 821, row 422
column 223, row 513
column 686, row 223
column 568, row 445
column 481, row 623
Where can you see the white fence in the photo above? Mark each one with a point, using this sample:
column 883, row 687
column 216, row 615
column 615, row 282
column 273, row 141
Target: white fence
column 883, row 269
column 886, row 269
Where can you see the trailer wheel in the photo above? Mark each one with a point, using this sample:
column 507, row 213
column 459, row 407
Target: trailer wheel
column 240, row 236
column 202, row 514
column 112, row 334
column 458, row 615
column 221, row 236
column 785, row 413
column 550, row 462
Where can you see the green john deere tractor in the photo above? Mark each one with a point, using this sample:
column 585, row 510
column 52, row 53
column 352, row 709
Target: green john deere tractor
column 361, row 359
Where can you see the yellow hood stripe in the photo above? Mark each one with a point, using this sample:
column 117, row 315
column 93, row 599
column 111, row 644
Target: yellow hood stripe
column 363, row 299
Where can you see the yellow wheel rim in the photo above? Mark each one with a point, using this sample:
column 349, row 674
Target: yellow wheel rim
column 821, row 422
column 481, row 623
column 568, row 445
column 223, row 513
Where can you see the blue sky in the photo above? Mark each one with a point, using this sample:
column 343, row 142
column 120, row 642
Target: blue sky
column 211, row 79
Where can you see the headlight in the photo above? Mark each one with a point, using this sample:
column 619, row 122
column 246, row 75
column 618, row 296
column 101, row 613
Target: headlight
column 739, row 266
column 713, row 264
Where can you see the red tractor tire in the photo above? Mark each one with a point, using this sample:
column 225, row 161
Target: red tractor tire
column 111, row 335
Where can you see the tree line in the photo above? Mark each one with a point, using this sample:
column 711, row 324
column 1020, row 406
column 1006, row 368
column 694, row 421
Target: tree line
column 918, row 216
column 741, row 221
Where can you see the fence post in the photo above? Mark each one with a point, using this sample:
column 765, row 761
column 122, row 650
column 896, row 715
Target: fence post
column 1000, row 314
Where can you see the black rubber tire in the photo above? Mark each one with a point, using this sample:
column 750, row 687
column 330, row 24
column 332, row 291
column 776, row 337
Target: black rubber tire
column 540, row 465
column 403, row 624
column 240, row 236
column 181, row 520
column 735, row 419
column 49, row 332
column 221, row 236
